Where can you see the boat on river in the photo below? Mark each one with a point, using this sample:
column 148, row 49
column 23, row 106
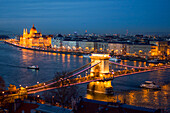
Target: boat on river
column 153, row 61
column 86, row 55
column 33, row 67
column 114, row 59
column 149, row 85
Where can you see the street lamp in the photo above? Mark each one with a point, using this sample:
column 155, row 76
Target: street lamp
column 79, row 76
column 52, row 100
column 37, row 82
column 101, row 49
column 20, row 85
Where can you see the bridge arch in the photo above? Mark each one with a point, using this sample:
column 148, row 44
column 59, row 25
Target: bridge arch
column 102, row 68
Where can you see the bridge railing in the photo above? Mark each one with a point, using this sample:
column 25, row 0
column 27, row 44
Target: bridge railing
column 49, row 84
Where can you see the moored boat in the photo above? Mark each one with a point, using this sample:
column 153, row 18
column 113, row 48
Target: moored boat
column 86, row 56
column 153, row 61
column 33, row 67
column 114, row 59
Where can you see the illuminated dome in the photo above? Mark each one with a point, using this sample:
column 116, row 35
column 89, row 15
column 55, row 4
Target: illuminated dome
column 33, row 30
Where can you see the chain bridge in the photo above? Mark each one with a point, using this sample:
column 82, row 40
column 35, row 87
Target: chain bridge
column 96, row 73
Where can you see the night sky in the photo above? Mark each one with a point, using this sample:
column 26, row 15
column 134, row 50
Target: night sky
column 95, row 16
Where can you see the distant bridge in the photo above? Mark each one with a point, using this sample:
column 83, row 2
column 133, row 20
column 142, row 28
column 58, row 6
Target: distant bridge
column 99, row 71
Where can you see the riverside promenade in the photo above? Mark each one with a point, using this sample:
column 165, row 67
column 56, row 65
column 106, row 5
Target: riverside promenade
column 78, row 53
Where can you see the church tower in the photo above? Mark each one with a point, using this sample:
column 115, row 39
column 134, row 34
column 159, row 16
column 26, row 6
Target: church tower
column 24, row 32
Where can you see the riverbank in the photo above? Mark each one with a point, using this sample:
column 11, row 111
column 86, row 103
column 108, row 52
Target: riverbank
column 78, row 53
column 133, row 58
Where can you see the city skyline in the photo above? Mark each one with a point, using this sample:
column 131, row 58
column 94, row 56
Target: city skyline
column 98, row 16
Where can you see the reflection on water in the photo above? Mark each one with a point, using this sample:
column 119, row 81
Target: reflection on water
column 13, row 63
column 143, row 98
column 145, row 93
column 127, row 90
column 63, row 58
column 27, row 55
column 12, row 58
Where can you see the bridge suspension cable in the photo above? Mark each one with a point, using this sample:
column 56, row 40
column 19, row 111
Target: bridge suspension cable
column 64, row 78
column 79, row 68
column 68, row 73
column 82, row 71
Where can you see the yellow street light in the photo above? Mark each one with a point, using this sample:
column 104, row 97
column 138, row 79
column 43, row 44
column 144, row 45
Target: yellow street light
column 140, row 51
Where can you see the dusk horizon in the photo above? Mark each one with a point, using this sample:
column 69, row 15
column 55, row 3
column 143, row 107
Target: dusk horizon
column 111, row 16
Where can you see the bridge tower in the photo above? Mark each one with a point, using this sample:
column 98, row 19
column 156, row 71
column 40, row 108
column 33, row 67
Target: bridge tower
column 101, row 70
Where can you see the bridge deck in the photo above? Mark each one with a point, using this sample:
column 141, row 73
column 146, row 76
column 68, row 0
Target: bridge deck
column 69, row 81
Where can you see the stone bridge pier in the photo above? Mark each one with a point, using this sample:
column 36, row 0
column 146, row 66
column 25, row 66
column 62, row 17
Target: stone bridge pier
column 101, row 70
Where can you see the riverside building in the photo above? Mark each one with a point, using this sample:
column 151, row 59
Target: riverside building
column 34, row 39
column 116, row 45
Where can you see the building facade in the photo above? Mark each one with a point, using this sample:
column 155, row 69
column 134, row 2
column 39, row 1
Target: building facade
column 56, row 42
column 117, row 48
column 69, row 45
column 160, row 48
column 141, row 49
column 86, row 45
column 102, row 46
column 34, row 39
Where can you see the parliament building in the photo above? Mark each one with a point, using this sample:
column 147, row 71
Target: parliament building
column 34, row 39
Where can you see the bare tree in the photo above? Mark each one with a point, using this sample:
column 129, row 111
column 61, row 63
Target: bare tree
column 63, row 95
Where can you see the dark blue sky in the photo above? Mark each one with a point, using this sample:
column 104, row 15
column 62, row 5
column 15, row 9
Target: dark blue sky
column 98, row 16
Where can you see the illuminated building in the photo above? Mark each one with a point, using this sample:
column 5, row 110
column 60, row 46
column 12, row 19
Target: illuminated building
column 86, row 45
column 138, row 48
column 102, row 46
column 56, row 42
column 34, row 39
column 160, row 48
column 69, row 45
column 118, row 48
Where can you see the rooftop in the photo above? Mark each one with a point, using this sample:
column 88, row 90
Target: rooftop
column 51, row 109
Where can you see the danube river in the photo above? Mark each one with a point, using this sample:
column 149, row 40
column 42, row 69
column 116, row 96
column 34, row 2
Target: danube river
column 13, row 69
